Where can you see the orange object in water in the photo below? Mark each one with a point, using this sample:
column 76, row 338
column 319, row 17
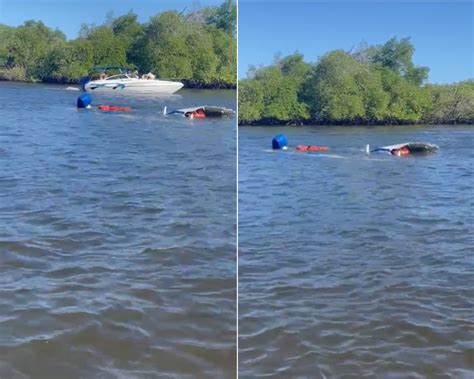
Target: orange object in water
column 402, row 151
column 311, row 148
column 199, row 114
column 114, row 108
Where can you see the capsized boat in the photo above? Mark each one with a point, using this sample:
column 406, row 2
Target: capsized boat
column 128, row 83
column 407, row 148
column 202, row 111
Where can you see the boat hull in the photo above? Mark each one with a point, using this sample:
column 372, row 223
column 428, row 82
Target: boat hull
column 208, row 111
column 141, row 86
column 407, row 148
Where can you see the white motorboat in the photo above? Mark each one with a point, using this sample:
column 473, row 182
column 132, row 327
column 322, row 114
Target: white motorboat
column 124, row 82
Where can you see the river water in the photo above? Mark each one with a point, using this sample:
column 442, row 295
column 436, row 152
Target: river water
column 117, row 237
column 355, row 266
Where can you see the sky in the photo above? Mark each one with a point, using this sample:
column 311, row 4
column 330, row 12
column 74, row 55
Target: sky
column 68, row 15
column 442, row 32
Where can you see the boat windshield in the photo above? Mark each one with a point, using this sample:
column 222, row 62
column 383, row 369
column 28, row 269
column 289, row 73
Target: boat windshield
column 120, row 76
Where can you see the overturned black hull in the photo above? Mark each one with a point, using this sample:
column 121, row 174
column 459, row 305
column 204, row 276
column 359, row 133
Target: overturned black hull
column 407, row 148
column 203, row 112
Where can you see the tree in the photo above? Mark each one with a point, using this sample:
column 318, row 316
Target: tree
column 30, row 44
column 68, row 62
column 407, row 101
column 200, row 50
column 251, row 103
column 223, row 17
column 375, row 98
column 128, row 30
column 294, row 66
column 452, row 103
column 108, row 48
column 271, row 95
column 332, row 90
column 398, row 56
column 6, row 33
column 166, row 48
column 373, row 84
column 225, row 50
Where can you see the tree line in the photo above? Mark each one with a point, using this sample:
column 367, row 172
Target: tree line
column 198, row 48
column 370, row 85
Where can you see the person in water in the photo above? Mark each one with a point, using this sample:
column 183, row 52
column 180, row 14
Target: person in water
column 198, row 113
column 402, row 151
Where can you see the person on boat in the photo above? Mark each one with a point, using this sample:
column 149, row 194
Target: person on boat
column 135, row 74
column 103, row 76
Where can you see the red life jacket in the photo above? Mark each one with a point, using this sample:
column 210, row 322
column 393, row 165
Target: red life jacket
column 311, row 148
column 114, row 108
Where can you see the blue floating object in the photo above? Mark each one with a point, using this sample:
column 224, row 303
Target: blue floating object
column 84, row 100
column 279, row 142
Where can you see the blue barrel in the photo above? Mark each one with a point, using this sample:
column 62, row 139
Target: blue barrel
column 83, row 81
column 84, row 100
column 279, row 142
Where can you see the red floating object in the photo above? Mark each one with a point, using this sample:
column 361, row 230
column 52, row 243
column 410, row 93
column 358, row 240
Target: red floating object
column 402, row 151
column 114, row 108
column 311, row 148
column 196, row 114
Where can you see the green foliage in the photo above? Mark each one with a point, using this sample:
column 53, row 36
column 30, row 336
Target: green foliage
column 30, row 44
column 107, row 47
column 128, row 30
column 165, row 49
column 175, row 47
column 225, row 49
column 6, row 33
column 398, row 57
column 294, row 66
column 200, row 50
column 407, row 101
column 273, row 93
column 251, row 100
column 332, row 89
column 223, row 17
column 451, row 103
column 68, row 62
column 374, row 84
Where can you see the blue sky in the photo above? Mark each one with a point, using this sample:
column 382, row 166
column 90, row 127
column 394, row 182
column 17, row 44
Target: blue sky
column 442, row 32
column 68, row 15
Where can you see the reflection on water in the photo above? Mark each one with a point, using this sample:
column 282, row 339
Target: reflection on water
column 356, row 266
column 117, row 238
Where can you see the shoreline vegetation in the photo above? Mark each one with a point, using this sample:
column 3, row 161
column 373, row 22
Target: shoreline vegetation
column 197, row 48
column 368, row 86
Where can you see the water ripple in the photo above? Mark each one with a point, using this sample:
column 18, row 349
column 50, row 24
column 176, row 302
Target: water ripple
column 358, row 267
column 117, row 245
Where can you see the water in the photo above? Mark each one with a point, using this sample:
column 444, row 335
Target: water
column 353, row 266
column 117, row 237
